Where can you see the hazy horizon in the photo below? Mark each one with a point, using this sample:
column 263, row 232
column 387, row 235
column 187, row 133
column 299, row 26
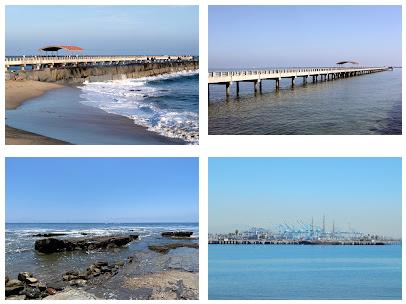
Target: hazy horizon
column 252, row 36
column 361, row 194
column 103, row 30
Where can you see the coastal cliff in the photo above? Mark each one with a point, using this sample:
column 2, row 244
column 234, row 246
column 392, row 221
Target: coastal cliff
column 102, row 73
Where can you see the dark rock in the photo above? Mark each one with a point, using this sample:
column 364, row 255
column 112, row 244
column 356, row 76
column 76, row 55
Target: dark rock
column 6, row 279
column 177, row 234
column 48, row 234
column 101, row 263
column 32, row 292
column 105, row 269
column 51, row 291
column 23, row 276
column 50, row 245
column 134, row 236
column 72, row 273
column 13, row 290
column 165, row 248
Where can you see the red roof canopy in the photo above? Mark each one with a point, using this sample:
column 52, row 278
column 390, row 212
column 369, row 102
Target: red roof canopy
column 344, row 62
column 55, row 48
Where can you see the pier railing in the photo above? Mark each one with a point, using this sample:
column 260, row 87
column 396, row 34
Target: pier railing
column 286, row 71
column 40, row 61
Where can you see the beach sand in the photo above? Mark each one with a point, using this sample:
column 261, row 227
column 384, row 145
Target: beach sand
column 16, row 93
column 19, row 91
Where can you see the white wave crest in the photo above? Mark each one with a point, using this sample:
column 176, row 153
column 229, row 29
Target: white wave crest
column 128, row 98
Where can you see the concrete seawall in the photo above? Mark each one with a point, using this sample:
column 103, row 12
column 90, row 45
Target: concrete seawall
column 101, row 73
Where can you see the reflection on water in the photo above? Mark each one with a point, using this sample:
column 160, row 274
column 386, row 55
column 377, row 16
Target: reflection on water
column 367, row 104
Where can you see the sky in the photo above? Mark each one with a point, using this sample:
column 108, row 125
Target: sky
column 363, row 194
column 104, row 30
column 101, row 190
column 293, row 36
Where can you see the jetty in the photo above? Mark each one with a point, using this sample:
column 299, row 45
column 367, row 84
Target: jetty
column 258, row 76
column 43, row 62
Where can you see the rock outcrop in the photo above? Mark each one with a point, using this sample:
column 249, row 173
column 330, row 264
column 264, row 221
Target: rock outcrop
column 177, row 234
column 165, row 248
column 51, row 245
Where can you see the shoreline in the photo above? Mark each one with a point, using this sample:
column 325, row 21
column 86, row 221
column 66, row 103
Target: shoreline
column 20, row 91
column 118, row 261
column 16, row 93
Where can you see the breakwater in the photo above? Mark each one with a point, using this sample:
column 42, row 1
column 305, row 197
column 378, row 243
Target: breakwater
column 101, row 73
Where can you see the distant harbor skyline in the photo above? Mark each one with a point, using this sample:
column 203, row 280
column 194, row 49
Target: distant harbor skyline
column 364, row 194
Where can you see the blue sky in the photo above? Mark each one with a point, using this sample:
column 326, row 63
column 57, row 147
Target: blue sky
column 104, row 29
column 102, row 190
column 364, row 194
column 275, row 36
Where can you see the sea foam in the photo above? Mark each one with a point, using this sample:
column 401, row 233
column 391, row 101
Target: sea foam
column 144, row 101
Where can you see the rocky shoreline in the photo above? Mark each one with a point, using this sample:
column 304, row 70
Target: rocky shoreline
column 73, row 284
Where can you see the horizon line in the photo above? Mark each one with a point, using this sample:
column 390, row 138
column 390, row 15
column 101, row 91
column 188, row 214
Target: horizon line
column 102, row 222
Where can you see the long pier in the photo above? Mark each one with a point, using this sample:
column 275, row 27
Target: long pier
column 303, row 242
column 257, row 77
column 41, row 62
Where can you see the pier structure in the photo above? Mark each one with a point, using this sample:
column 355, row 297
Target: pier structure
column 302, row 242
column 257, row 77
column 42, row 62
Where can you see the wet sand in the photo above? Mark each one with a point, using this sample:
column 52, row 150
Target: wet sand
column 16, row 93
column 19, row 137
column 58, row 114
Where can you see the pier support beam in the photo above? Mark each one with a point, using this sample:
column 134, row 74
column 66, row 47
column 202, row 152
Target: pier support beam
column 228, row 85
column 305, row 80
column 255, row 86
column 277, row 84
column 260, row 86
column 293, row 82
column 237, row 88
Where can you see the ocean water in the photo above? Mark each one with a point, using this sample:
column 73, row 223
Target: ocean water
column 367, row 104
column 49, row 268
column 166, row 104
column 305, row 272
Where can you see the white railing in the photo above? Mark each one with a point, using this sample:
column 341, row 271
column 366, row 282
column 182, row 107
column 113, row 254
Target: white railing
column 42, row 59
column 287, row 71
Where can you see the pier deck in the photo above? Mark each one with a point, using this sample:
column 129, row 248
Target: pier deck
column 325, row 74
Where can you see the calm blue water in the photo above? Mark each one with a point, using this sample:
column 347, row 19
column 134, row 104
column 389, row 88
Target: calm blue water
column 305, row 272
column 368, row 104
column 49, row 268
